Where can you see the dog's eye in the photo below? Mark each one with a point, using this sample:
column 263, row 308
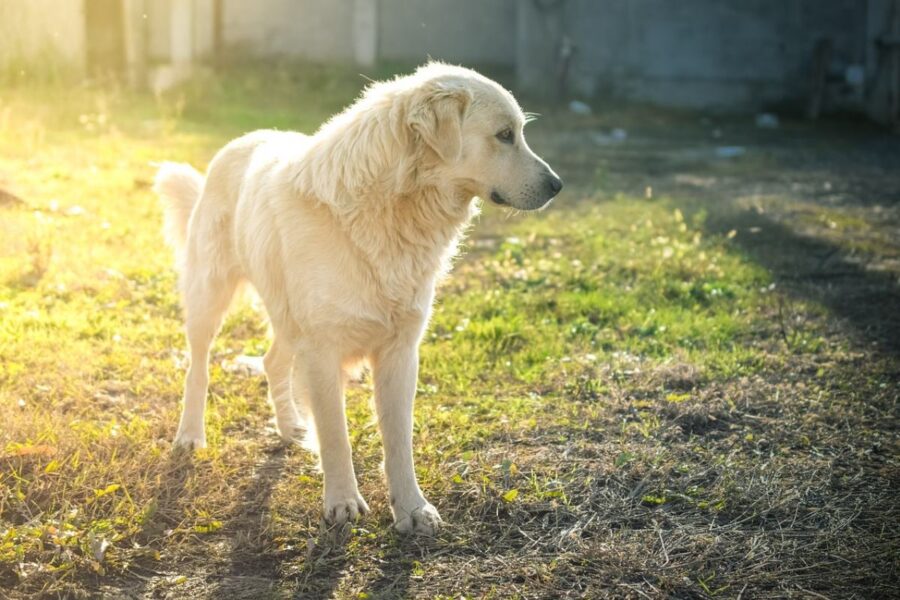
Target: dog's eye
column 506, row 136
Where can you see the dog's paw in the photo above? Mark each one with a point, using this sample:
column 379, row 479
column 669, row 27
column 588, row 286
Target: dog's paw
column 291, row 426
column 421, row 520
column 345, row 510
column 188, row 440
column 291, row 432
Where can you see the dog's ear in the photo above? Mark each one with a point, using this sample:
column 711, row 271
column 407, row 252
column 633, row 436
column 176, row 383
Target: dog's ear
column 437, row 114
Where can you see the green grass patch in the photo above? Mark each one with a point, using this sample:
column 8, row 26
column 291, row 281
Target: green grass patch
column 598, row 358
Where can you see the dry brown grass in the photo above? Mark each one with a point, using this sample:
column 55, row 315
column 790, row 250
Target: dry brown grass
column 616, row 401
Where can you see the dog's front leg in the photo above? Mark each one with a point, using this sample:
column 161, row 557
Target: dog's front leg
column 395, row 373
column 318, row 374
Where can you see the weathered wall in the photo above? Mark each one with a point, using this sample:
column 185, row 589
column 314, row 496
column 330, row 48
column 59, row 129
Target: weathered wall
column 464, row 31
column 42, row 33
column 318, row 30
column 734, row 53
column 159, row 27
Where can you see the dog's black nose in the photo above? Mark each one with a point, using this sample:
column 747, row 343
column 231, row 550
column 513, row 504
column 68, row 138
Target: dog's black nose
column 555, row 184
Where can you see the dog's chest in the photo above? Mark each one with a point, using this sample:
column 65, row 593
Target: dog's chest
column 405, row 262
column 405, row 281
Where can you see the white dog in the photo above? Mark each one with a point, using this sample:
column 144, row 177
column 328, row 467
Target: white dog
column 344, row 234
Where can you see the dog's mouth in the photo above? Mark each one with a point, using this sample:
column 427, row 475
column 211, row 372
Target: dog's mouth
column 499, row 200
column 496, row 198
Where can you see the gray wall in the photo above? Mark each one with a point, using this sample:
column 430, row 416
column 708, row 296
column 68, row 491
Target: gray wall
column 734, row 53
column 469, row 31
column 465, row 31
column 31, row 39
column 318, row 30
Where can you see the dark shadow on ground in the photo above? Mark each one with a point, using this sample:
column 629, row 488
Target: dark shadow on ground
column 329, row 560
column 165, row 512
column 827, row 165
column 260, row 566
column 814, row 269
column 324, row 564
column 167, row 501
column 394, row 580
column 251, row 572
column 254, row 564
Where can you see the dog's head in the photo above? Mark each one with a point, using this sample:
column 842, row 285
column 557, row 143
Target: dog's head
column 474, row 131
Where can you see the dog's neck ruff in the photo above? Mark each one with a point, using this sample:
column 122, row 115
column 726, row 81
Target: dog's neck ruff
column 382, row 186
column 410, row 240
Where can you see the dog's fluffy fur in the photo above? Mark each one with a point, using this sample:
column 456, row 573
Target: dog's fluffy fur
column 344, row 234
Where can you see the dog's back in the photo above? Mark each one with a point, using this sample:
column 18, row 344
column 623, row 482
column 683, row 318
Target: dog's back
column 200, row 211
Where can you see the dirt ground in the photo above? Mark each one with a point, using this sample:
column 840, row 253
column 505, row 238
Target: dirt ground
column 817, row 204
column 637, row 476
column 819, row 207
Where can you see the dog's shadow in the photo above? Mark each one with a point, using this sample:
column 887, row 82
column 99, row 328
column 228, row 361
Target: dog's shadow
column 165, row 509
column 335, row 559
column 164, row 512
column 325, row 564
column 263, row 565
column 394, row 579
column 258, row 564
column 330, row 561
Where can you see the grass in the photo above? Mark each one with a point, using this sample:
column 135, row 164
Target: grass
column 615, row 399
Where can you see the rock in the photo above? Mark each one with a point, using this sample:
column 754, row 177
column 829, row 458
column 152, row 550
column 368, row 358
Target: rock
column 615, row 136
column 855, row 75
column 245, row 365
column 730, row 151
column 579, row 108
column 767, row 121
column 8, row 199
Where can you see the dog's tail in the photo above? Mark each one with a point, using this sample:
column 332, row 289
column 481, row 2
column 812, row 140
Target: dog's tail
column 178, row 186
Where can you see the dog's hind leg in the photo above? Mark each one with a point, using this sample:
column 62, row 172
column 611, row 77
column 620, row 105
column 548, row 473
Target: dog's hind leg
column 290, row 422
column 206, row 299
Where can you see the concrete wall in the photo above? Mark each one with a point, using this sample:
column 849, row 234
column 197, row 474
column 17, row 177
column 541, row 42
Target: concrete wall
column 38, row 34
column 159, row 27
column 318, row 30
column 464, row 31
column 736, row 53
